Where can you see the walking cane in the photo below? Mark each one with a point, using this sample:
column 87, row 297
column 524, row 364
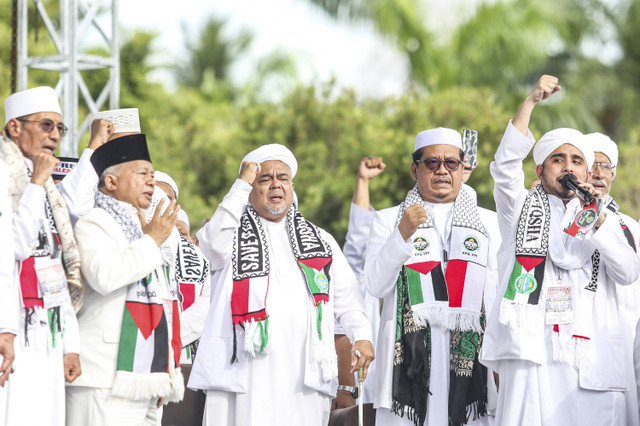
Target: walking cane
column 360, row 398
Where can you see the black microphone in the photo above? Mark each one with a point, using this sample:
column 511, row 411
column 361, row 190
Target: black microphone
column 570, row 182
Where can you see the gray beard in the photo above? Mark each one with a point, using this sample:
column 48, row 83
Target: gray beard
column 276, row 211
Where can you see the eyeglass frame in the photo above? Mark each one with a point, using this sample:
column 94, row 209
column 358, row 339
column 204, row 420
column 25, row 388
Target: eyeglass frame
column 440, row 163
column 604, row 169
column 63, row 131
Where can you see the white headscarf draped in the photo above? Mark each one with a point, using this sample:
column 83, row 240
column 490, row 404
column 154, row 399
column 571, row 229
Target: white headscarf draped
column 165, row 178
column 273, row 151
column 604, row 144
column 552, row 140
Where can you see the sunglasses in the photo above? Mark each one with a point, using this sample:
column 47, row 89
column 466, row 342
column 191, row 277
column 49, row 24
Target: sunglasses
column 433, row 164
column 604, row 165
column 47, row 125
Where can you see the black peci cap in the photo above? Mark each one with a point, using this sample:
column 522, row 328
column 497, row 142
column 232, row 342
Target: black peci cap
column 121, row 150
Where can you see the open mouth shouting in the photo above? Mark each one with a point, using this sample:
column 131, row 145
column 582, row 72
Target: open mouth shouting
column 276, row 196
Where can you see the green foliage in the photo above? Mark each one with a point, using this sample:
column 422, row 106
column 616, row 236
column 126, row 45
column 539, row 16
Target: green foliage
column 477, row 79
column 201, row 145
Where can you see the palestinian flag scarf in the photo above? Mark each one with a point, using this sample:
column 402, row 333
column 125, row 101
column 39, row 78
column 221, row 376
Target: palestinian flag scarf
column 148, row 358
column 446, row 284
column 251, row 266
column 523, row 304
column 521, row 300
column 451, row 299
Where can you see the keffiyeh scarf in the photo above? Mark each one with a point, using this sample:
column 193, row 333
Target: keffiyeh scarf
column 148, row 360
column 436, row 288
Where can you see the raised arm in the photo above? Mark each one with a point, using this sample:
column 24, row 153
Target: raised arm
column 216, row 236
column 508, row 176
column 79, row 186
column 546, row 86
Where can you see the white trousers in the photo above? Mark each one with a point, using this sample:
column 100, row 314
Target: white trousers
column 99, row 407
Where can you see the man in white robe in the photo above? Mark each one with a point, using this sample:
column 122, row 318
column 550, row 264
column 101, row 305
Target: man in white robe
column 280, row 367
column 394, row 242
column 47, row 343
column 603, row 173
column 555, row 337
column 129, row 322
column 361, row 216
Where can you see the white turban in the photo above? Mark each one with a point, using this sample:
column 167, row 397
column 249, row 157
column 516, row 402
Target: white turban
column 31, row 101
column 439, row 136
column 165, row 178
column 273, row 151
column 126, row 120
column 183, row 217
column 604, row 144
column 552, row 140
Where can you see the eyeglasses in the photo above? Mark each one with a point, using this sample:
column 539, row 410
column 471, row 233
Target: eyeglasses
column 433, row 164
column 47, row 125
column 604, row 165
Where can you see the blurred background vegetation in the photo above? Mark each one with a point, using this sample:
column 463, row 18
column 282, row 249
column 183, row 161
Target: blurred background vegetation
column 475, row 78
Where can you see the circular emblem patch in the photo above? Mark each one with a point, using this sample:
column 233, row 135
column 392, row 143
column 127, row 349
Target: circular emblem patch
column 420, row 243
column 471, row 243
column 526, row 283
column 586, row 218
column 321, row 282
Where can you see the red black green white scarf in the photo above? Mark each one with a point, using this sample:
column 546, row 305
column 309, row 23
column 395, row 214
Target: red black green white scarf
column 148, row 358
column 251, row 266
column 192, row 271
column 452, row 299
column 523, row 302
column 446, row 286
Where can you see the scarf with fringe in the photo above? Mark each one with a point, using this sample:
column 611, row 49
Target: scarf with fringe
column 427, row 296
column 251, row 266
column 148, row 360
column 523, row 304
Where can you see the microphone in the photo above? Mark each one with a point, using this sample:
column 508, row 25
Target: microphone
column 570, row 182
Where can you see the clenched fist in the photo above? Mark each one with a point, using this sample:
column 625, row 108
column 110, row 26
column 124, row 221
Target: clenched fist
column 413, row 217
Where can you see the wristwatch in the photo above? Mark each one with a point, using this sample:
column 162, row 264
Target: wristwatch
column 351, row 389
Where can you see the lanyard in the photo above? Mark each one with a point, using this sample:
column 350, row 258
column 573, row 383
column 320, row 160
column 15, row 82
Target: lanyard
column 447, row 231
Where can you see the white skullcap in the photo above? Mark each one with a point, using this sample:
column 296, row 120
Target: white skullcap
column 165, row 178
column 273, row 151
column 604, row 144
column 439, row 136
column 553, row 139
column 31, row 101
column 183, row 217
column 125, row 120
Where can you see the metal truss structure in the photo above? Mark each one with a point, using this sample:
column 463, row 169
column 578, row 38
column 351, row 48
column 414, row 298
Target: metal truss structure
column 78, row 20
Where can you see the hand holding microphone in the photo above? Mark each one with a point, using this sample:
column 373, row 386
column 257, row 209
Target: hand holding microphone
column 570, row 182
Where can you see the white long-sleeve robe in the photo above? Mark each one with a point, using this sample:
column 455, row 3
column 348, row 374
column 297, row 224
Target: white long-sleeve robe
column 535, row 390
column 282, row 386
column 360, row 221
column 386, row 253
column 628, row 297
column 39, row 371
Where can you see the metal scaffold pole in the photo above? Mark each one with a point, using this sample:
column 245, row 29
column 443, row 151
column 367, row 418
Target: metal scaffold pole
column 79, row 20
